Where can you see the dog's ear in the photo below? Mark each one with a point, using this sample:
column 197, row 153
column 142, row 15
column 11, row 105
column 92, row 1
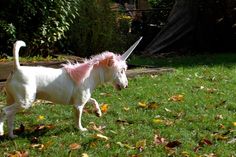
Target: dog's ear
column 111, row 62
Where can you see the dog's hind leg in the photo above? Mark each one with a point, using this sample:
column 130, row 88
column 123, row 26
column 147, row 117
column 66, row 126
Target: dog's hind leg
column 8, row 113
column 2, row 118
column 95, row 103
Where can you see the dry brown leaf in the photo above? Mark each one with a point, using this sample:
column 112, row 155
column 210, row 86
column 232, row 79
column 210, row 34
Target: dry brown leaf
column 203, row 142
column 37, row 146
column 210, row 155
column 93, row 126
column 140, row 145
column 150, row 105
column 158, row 140
column 85, row 155
column 100, row 136
column 173, row 144
column 177, row 98
column 74, row 146
column 18, row 154
column 20, row 130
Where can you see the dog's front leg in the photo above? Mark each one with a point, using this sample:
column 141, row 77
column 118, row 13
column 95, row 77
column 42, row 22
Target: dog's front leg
column 78, row 116
column 95, row 103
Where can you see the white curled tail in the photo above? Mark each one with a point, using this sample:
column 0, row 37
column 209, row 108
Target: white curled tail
column 16, row 48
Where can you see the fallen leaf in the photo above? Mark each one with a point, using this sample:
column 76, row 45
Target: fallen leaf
column 37, row 146
column 104, row 108
column 185, row 154
column 234, row 123
column 136, row 155
column 157, row 121
column 232, row 141
column 158, row 140
column 210, row 155
column 173, row 144
column 150, row 105
column 218, row 117
column 167, row 110
column 125, row 145
column 100, row 136
column 43, row 127
column 126, row 109
column 125, row 122
column 203, row 142
column 221, row 126
column 140, row 145
column 105, row 94
column 74, row 146
column 93, row 126
column 220, row 137
column 142, row 104
column 40, row 117
column 211, row 90
column 177, row 98
column 20, row 130
column 18, row 154
column 85, row 155
column 34, row 140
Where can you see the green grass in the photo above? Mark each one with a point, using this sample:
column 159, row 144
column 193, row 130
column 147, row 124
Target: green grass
column 206, row 113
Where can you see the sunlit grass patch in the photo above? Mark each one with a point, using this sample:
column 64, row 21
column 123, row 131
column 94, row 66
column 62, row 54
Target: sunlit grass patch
column 190, row 112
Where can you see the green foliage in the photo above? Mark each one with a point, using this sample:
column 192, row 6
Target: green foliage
column 161, row 3
column 154, row 2
column 37, row 22
column 94, row 29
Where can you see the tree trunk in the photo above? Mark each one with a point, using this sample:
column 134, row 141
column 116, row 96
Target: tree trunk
column 179, row 27
column 196, row 24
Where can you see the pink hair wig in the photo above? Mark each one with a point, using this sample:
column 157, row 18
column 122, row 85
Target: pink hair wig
column 80, row 71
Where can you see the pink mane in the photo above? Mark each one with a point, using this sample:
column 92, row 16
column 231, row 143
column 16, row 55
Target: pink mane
column 80, row 71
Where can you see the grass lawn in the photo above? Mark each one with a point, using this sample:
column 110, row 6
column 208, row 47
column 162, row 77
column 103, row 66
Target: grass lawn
column 190, row 112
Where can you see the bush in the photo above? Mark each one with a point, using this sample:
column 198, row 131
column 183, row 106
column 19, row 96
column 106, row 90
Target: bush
column 40, row 23
column 94, row 30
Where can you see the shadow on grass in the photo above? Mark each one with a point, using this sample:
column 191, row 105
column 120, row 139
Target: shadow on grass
column 225, row 59
column 34, row 133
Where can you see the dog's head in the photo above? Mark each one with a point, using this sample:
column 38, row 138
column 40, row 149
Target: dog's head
column 117, row 67
column 117, row 71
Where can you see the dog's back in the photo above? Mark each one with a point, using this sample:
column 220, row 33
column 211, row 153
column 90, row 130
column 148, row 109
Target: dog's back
column 42, row 83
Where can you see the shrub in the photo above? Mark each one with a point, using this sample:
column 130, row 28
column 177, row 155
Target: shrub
column 94, row 30
column 40, row 23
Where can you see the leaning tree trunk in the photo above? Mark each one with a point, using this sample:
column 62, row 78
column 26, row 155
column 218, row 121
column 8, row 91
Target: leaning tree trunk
column 203, row 25
column 178, row 31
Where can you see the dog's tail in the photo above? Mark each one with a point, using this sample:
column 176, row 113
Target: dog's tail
column 16, row 48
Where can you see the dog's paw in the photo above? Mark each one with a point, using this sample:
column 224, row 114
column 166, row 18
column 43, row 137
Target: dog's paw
column 98, row 113
column 83, row 129
column 1, row 133
column 13, row 136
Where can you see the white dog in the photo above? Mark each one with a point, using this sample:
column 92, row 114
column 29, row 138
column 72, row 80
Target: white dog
column 72, row 84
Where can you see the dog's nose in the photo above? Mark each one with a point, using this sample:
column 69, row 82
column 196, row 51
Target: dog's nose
column 126, row 86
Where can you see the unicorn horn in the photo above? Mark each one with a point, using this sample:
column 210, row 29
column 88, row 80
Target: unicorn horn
column 130, row 50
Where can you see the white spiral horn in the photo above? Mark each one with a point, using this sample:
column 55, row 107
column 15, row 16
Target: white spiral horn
column 130, row 50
